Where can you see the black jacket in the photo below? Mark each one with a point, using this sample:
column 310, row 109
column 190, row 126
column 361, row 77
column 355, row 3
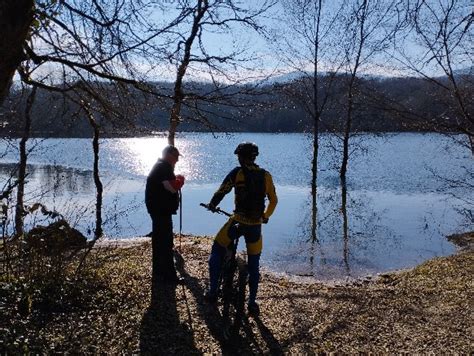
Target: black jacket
column 158, row 200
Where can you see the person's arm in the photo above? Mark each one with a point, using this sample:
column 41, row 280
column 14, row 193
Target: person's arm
column 168, row 186
column 224, row 189
column 175, row 184
column 271, row 194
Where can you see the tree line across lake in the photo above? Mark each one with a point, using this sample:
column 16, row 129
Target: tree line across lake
column 381, row 104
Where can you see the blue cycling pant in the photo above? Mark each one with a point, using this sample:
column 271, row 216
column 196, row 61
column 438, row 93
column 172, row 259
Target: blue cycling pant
column 253, row 238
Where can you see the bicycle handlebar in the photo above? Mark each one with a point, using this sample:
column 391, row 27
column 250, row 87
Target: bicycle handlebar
column 216, row 210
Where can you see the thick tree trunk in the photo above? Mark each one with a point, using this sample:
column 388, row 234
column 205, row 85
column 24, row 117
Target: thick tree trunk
column 15, row 21
column 19, row 209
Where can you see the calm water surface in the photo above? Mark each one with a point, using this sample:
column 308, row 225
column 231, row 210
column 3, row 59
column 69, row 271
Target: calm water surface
column 401, row 198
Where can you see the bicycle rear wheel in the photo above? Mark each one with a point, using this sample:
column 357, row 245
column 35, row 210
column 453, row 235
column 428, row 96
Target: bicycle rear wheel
column 234, row 292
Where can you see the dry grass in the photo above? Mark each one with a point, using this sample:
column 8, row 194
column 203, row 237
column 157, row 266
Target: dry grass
column 427, row 309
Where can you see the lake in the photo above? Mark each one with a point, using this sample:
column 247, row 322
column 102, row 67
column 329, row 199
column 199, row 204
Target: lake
column 403, row 194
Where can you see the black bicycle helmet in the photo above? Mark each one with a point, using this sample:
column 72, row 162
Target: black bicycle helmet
column 247, row 149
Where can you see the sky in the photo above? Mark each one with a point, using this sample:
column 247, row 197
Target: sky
column 264, row 54
column 274, row 58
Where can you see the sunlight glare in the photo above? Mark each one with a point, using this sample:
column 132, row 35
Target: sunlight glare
column 143, row 152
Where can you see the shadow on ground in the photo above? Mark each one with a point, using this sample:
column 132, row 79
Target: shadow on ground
column 163, row 332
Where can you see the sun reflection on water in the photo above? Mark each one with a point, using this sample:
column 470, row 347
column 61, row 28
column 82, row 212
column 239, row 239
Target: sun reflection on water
column 142, row 154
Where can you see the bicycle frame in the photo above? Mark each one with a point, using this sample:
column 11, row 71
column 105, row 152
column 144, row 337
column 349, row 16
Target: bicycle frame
column 233, row 292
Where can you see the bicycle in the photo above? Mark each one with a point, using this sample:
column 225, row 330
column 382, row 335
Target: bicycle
column 232, row 285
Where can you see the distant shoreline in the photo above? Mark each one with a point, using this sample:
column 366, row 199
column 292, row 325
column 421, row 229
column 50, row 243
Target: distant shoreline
column 164, row 134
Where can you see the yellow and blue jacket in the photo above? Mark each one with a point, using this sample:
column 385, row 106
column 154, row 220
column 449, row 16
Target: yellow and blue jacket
column 252, row 185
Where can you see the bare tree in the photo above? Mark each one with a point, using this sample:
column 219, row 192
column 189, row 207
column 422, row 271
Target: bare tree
column 306, row 48
column 441, row 30
column 369, row 28
column 178, row 96
column 71, row 41
column 98, row 183
column 89, row 52
column 71, row 44
column 192, row 52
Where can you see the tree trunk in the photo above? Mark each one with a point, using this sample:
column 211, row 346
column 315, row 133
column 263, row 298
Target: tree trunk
column 15, row 21
column 350, row 95
column 345, row 226
column 317, row 114
column 19, row 209
column 178, row 95
column 347, row 133
column 98, row 184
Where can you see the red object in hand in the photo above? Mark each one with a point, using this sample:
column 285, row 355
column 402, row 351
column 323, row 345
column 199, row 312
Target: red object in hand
column 178, row 182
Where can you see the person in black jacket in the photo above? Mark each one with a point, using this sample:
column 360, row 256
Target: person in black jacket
column 162, row 201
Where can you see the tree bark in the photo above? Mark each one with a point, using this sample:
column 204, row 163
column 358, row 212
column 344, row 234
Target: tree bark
column 19, row 209
column 16, row 17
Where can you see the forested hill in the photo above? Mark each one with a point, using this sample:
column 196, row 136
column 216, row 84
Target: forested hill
column 381, row 104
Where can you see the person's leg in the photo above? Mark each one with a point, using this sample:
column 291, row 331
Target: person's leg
column 215, row 263
column 155, row 274
column 223, row 238
column 254, row 277
column 169, row 270
column 253, row 240
column 163, row 247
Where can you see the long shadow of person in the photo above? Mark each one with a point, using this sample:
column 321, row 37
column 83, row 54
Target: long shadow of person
column 161, row 331
column 272, row 343
column 243, row 342
column 273, row 346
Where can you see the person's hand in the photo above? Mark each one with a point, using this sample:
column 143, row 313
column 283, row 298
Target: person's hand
column 180, row 178
column 212, row 207
column 178, row 182
column 264, row 220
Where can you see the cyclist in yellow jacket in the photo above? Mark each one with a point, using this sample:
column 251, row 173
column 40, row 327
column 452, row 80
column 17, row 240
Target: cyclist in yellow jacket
column 252, row 185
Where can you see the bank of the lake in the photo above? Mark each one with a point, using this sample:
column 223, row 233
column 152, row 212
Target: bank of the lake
column 425, row 309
